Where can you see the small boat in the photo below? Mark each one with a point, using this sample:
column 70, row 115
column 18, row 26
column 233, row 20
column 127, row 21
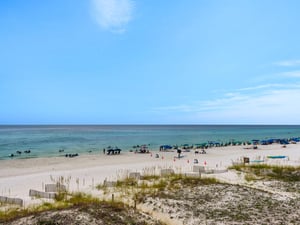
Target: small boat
column 276, row 156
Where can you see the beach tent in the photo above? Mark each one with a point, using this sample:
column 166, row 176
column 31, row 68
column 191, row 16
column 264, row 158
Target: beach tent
column 186, row 146
column 264, row 142
column 201, row 145
column 165, row 147
column 284, row 141
column 295, row 139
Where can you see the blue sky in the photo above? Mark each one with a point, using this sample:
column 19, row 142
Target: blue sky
column 149, row 62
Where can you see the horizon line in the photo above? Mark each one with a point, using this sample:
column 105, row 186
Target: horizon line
column 149, row 124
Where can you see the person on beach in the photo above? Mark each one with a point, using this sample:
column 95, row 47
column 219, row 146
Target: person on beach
column 179, row 153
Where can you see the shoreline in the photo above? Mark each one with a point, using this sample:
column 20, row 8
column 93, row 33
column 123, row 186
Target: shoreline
column 45, row 141
column 84, row 172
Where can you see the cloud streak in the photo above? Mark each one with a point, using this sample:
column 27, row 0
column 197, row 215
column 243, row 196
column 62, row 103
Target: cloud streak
column 288, row 63
column 295, row 73
column 267, row 104
column 113, row 15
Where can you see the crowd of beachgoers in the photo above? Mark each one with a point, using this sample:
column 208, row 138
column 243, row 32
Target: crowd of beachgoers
column 144, row 148
column 85, row 172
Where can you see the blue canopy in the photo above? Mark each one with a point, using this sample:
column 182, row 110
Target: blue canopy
column 166, row 146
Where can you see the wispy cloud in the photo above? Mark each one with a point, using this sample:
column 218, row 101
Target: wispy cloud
column 266, row 103
column 295, row 73
column 288, row 63
column 263, row 86
column 269, row 104
column 113, row 15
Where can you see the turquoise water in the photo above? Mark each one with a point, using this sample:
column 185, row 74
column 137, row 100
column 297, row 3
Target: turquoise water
column 47, row 140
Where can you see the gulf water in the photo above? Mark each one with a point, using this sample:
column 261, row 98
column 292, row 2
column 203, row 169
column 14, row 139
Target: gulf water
column 46, row 141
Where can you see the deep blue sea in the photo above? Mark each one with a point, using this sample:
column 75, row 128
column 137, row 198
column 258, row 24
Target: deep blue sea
column 46, row 141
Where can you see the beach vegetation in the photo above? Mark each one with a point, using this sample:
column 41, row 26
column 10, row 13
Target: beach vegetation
column 250, row 177
column 60, row 196
column 136, row 191
column 126, row 182
column 69, row 200
column 46, row 222
column 14, row 213
column 81, row 198
column 192, row 181
column 163, row 182
column 160, row 184
column 271, row 172
column 72, row 200
column 105, row 212
column 18, row 212
column 150, row 177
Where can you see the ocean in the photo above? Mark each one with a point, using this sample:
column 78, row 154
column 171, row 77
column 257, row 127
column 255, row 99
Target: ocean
column 50, row 141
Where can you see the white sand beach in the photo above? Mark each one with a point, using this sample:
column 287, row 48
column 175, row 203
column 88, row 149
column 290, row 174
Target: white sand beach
column 18, row 176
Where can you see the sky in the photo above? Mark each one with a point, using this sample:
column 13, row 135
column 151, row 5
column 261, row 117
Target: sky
column 149, row 62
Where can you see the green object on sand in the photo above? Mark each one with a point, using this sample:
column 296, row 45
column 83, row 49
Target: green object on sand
column 276, row 156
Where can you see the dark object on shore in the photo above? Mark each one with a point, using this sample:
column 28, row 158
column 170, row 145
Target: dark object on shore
column 113, row 151
column 27, row 151
column 196, row 161
column 71, row 155
column 165, row 147
column 11, row 155
column 179, row 153
column 246, row 160
column 143, row 149
column 202, row 151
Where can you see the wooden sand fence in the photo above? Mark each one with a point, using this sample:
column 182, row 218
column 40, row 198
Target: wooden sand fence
column 13, row 201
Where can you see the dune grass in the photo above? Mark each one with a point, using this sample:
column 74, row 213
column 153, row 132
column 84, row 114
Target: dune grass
column 271, row 172
column 128, row 188
column 17, row 212
column 106, row 212
column 136, row 190
column 63, row 201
